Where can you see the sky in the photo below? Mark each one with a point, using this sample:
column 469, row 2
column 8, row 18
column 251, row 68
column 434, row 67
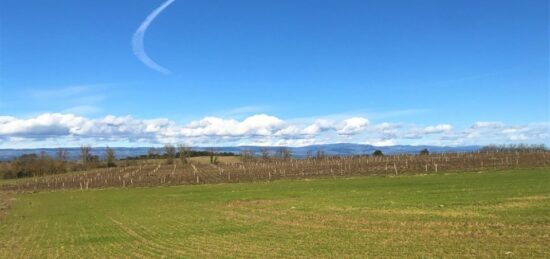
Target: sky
column 285, row 72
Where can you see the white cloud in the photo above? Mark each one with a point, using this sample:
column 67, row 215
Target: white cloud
column 487, row 124
column 255, row 125
column 440, row 128
column 414, row 132
column 60, row 129
column 43, row 125
column 243, row 111
column 387, row 130
column 6, row 119
column 381, row 142
column 353, row 126
column 386, row 126
column 260, row 127
column 320, row 125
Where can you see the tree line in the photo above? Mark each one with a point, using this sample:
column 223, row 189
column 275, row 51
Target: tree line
column 31, row 165
column 170, row 153
column 513, row 148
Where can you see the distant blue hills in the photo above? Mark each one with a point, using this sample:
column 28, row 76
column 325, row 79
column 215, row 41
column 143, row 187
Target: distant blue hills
column 343, row 149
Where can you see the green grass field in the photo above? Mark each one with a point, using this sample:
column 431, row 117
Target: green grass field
column 490, row 214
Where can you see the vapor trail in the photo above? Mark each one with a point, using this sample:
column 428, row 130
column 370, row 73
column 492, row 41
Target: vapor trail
column 139, row 35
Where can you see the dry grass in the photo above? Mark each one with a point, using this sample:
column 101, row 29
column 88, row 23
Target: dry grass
column 220, row 159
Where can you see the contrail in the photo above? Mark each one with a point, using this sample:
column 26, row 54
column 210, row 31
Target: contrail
column 139, row 35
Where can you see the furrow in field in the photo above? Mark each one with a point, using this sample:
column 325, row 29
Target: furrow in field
column 156, row 247
column 156, row 234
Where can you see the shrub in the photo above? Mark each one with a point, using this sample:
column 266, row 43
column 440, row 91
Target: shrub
column 377, row 153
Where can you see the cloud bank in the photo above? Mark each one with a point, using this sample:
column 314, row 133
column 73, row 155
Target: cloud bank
column 65, row 129
column 139, row 36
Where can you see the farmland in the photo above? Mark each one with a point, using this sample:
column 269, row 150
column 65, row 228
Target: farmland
column 199, row 170
column 482, row 214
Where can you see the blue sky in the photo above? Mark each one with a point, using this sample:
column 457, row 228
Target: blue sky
column 67, row 67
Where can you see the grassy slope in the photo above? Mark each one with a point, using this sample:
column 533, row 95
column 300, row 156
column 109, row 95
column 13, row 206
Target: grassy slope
column 483, row 214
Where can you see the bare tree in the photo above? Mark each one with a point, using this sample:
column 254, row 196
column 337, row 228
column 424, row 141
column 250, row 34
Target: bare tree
column 184, row 153
column 85, row 155
column 213, row 155
column 284, row 153
column 152, row 153
column 247, row 154
column 110, row 157
column 44, row 165
column 265, row 153
column 513, row 148
column 320, row 154
column 170, row 152
column 287, row 153
column 61, row 155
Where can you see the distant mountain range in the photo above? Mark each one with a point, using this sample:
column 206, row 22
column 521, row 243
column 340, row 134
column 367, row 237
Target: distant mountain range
column 344, row 149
